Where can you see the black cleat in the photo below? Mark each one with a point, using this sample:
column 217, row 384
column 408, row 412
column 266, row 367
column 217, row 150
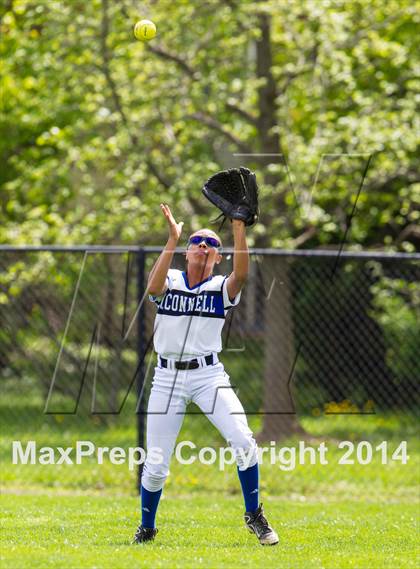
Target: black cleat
column 256, row 523
column 144, row 534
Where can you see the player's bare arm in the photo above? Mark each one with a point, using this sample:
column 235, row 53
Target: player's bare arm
column 156, row 285
column 237, row 278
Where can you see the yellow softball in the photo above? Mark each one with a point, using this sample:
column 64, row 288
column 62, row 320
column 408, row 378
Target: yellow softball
column 145, row 30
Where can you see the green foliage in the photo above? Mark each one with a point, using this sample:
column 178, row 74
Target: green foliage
column 96, row 128
column 397, row 308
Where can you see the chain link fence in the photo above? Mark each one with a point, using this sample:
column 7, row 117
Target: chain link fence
column 321, row 348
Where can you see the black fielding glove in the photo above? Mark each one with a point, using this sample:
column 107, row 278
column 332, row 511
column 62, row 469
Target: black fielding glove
column 235, row 193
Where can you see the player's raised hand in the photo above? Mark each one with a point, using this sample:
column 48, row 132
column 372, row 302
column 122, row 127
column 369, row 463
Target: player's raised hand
column 175, row 229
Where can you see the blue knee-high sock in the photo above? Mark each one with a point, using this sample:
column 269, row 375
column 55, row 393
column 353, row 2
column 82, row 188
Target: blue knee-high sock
column 249, row 483
column 149, row 505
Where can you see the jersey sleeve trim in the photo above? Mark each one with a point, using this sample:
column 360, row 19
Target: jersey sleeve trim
column 158, row 299
column 227, row 302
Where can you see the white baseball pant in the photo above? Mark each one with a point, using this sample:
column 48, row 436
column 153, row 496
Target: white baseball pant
column 209, row 388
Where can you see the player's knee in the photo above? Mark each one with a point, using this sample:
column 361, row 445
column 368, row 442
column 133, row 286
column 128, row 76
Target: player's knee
column 242, row 438
column 154, row 476
column 246, row 451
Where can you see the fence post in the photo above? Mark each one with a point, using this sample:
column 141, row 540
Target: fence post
column 141, row 347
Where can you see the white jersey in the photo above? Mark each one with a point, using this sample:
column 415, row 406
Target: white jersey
column 189, row 320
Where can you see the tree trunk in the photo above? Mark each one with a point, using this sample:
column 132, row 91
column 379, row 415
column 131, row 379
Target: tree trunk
column 280, row 419
column 267, row 97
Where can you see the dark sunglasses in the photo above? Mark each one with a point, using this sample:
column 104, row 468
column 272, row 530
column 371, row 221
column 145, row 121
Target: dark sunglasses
column 210, row 241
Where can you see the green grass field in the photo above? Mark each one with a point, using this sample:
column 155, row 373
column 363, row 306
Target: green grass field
column 94, row 531
column 361, row 516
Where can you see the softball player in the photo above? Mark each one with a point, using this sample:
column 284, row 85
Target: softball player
column 192, row 306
